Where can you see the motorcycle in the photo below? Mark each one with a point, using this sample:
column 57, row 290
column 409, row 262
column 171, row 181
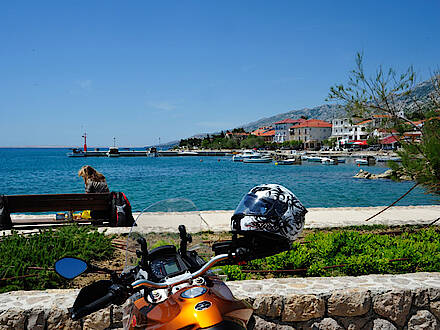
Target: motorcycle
column 167, row 288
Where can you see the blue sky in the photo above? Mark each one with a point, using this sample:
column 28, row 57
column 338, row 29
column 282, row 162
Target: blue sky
column 144, row 70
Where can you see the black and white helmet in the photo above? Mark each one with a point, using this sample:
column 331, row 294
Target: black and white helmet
column 269, row 210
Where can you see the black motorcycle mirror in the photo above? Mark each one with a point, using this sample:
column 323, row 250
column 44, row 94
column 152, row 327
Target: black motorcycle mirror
column 69, row 268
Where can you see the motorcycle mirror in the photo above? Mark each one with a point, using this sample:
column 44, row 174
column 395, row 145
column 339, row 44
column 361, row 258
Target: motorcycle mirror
column 70, row 268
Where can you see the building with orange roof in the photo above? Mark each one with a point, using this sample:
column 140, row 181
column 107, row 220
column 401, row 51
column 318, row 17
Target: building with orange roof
column 282, row 128
column 268, row 135
column 312, row 132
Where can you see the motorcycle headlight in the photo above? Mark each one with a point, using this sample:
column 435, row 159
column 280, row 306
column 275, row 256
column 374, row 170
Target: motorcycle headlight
column 193, row 292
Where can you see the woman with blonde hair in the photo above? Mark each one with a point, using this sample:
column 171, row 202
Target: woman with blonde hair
column 93, row 180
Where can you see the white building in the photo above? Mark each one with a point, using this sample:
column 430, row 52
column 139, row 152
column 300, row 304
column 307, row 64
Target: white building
column 312, row 132
column 282, row 129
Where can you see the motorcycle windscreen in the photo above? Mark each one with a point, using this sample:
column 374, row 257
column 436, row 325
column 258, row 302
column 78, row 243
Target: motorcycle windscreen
column 157, row 217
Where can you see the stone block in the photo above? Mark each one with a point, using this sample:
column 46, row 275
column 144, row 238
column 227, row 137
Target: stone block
column 435, row 308
column 13, row 319
column 423, row 320
column 354, row 323
column 327, row 324
column 421, row 298
column 349, row 302
column 302, row 308
column 36, row 320
column 262, row 324
column 60, row 319
column 434, row 294
column 381, row 324
column 99, row 320
column 394, row 305
column 270, row 306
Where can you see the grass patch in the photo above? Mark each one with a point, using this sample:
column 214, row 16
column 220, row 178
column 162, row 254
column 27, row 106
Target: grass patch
column 351, row 252
column 21, row 254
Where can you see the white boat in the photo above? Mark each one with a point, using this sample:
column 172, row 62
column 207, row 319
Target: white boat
column 385, row 159
column 361, row 161
column 328, row 161
column 291, row 161
column 341, row 160
column 257, row 160
column 113, row 152
column 245, row 154
column 188, row 153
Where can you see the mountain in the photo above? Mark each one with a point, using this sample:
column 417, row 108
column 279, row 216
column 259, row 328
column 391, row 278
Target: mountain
column 328, row 112
column 324, row 112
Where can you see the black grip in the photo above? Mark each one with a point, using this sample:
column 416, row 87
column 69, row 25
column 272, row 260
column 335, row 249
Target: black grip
column 101, row 303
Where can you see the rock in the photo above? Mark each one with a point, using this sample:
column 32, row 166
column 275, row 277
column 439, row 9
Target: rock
column 421, row 298
column 262, row 324
column 268, row 306
column 385, row 175
column 60, row 319
column 435, row 308
column 13, row 319
column 99, row 320
column 423, row 320
column 349, row 303
column 302, row 308
column 327, row 324
column 381, row 324
column 394, row 305
column 36, row 320
column 354, row 323
column 362, row 174
column 434, row 294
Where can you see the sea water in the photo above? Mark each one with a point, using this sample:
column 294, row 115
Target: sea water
column 212, row 183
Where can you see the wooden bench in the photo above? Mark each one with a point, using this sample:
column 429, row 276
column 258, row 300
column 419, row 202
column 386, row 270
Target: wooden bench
column 58, row 202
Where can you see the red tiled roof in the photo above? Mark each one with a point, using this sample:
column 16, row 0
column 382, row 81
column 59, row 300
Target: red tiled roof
column 290, row 121
column 389, row 140
column 313, row 123
column 269, row 133
column 365, row 122
column 260, row 131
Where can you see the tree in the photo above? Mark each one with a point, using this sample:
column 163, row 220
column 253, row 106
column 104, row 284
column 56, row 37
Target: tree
column 389, row 93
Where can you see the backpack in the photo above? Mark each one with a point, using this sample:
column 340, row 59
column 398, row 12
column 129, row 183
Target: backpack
column 5, row 217
column 121, row 215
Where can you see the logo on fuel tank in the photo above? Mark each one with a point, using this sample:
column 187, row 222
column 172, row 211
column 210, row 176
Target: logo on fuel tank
column 201, row 306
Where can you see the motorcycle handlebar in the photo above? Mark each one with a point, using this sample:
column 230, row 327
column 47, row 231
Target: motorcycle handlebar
column 103, row 302
column 200, row 272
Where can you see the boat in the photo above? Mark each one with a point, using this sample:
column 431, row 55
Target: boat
column 257, row 160
column 291, row 161
column 329, row 161
column 386, row 159
column 113, row 152
column 246, row 154
column 188, row 153
column 76, row 152
column 315, row 159
column 341, row 160
column 361, row 161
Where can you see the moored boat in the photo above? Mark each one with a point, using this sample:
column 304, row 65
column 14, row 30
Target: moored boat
column 257, row 160
column 291, row 161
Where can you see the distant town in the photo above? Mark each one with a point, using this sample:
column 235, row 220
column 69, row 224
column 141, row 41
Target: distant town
column 313, row 134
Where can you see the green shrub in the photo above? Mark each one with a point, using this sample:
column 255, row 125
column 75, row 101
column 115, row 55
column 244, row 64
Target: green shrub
column 18, row 252
column 354, row 253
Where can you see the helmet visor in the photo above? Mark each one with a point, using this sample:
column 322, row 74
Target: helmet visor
column 251, row 204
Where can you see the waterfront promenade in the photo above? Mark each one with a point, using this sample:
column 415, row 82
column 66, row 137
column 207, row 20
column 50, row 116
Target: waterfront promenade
column 218, row 221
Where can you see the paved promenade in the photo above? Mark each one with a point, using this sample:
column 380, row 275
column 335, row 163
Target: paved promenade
column 315, row 218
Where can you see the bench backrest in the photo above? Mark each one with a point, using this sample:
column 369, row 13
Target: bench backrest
column 58, row 202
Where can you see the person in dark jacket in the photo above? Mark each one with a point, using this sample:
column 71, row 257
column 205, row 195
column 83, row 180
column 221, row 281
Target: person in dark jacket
column 93, row 180
column 94, row 183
